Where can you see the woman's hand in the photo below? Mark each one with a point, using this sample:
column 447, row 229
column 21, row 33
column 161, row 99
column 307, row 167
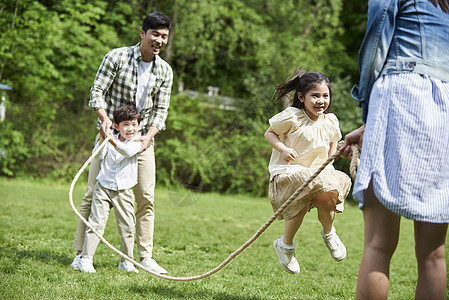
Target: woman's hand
column 354, row 137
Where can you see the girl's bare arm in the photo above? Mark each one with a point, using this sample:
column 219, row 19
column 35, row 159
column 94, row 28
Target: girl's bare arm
column 289, row 154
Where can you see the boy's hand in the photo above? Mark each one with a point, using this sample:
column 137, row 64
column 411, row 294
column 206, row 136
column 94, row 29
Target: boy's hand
column 112, row 141
column 289, row 154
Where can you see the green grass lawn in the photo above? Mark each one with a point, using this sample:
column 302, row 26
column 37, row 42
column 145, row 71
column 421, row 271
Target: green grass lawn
column 194, row 233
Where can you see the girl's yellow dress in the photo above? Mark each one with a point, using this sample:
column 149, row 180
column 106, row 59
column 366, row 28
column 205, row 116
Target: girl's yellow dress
column 311, row 140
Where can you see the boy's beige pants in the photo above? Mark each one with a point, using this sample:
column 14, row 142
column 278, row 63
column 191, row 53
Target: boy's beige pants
column 123, row 203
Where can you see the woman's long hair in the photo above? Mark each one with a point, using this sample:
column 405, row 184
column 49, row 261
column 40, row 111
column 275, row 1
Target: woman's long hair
column 444, row 4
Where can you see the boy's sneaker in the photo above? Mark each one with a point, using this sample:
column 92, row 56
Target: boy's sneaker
column 286, row 256
column 334, row 244
column 151, row 264
column 74, row 264
column 85, row 265
column 127, row 266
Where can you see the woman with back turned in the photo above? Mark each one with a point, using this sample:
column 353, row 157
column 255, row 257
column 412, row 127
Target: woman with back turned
column 404, row 90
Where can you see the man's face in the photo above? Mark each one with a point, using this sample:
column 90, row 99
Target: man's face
column 154, row 40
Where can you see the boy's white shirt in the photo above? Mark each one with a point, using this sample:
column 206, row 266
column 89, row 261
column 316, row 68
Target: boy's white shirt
column 119, row 165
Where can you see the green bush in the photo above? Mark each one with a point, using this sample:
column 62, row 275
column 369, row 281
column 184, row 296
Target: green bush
column 204, row 148
column 13, row 150
column 55, row 149
column 209, row 149
column 51, row 51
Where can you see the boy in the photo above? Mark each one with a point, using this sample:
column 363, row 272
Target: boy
column 117, row 176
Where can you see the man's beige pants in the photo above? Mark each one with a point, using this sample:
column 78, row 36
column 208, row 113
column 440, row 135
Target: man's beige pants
column 144, row 194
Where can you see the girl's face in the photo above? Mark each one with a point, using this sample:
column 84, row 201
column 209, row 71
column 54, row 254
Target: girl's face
column 316, row 101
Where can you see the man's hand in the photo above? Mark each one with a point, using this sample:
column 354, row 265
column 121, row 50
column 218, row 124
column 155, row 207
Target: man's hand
column 145, row 141
column 106, row 123
column 354, row 137
column 105, row 128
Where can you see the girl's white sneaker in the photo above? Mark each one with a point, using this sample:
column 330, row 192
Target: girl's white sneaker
column 334, row 244
column 286, row 256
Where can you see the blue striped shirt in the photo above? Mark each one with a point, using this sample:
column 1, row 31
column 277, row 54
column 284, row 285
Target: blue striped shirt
column 406, row 146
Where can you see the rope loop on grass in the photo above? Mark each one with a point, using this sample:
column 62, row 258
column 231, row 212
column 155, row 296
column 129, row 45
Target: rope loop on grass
column 353, row 169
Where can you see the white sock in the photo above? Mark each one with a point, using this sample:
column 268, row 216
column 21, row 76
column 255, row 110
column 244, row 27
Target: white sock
column 284, row 245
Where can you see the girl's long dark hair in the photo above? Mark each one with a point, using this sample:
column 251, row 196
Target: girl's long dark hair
column 444, row 4
column 301, row 83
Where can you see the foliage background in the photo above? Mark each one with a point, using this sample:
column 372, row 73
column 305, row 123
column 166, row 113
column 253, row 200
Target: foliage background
column 50, row 52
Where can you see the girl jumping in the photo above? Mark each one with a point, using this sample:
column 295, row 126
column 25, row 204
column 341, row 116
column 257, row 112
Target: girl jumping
column 303, row 136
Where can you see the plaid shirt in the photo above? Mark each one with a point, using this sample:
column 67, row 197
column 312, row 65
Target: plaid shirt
column 116, row 84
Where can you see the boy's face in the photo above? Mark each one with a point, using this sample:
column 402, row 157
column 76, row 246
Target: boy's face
column 127, row 129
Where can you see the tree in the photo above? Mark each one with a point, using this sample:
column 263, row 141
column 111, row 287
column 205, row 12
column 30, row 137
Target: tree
column 50, row 57
column 50, row 51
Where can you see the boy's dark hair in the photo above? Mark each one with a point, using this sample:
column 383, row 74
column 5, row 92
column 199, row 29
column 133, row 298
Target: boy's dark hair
column 126, row 112
column 154, row 19
column 302, row 83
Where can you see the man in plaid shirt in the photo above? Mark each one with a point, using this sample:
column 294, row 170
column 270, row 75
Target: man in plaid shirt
column 138, row 75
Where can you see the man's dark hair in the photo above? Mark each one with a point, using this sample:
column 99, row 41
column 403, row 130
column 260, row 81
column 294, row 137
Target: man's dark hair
column 154, row 19
column 126, row 112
